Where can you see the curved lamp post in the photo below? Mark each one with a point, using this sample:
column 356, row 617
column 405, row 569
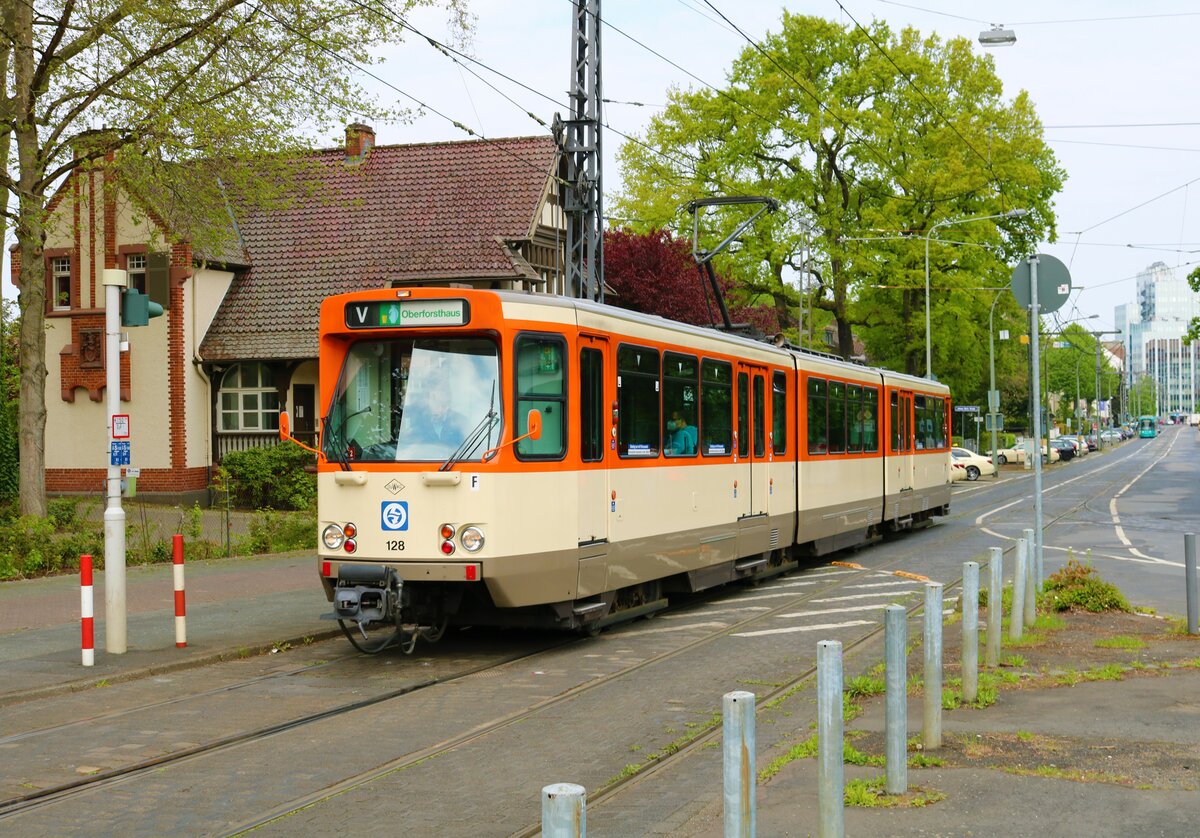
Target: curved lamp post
column 1017, row 213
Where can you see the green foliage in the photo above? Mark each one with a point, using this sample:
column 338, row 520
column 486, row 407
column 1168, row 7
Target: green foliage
column 33, row 546
column 272, row 532
column 865, row 686
column 10, row 460
column 1078, row 586
column 273, row 477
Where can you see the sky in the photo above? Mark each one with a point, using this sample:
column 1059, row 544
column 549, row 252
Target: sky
column 1113, row 83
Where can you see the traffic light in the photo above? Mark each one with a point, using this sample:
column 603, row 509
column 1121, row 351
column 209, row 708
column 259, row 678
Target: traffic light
column 137, row 308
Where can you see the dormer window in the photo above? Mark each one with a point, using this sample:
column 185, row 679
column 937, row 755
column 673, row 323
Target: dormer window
column 135, row 265
column 60, row 283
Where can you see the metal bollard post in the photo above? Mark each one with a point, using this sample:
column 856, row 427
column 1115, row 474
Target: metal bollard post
column 1015, row 617
column 1033, row 561
column 1029, row 612
column 895, row 638
column 995, row 605
column 1189, row 568
column 180, row 604
column 932, row 733
column 564, row 811
column 970, row 633
column 87, row 615
column 738, row 731
column 831, row 785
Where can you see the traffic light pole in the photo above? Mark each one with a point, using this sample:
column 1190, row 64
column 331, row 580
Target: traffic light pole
column 115, row 282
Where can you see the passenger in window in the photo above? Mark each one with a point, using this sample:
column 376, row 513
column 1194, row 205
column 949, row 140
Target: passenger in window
column 682, row 440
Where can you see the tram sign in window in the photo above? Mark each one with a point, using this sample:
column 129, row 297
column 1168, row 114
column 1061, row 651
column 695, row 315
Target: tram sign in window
column 405, row 314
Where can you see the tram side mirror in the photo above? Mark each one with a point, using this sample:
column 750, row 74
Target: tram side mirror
column 533, row 430
column 285, row 426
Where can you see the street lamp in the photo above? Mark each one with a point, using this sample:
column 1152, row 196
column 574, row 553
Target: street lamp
column 1017, row 213
column 997, row 36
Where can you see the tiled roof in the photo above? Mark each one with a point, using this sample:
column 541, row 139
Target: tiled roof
column 411, row 212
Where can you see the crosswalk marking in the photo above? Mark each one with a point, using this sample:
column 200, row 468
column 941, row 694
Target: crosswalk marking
column 794, row 629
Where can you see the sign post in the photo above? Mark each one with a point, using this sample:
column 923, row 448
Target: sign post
column 1047, row 278
column 118, row 447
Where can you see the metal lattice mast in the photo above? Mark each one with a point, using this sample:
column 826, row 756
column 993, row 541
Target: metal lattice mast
column 580, row 143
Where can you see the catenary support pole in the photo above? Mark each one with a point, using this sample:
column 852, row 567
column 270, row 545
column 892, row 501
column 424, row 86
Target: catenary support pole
column 1189, row 567
column 737, row 711
column 932, row 731
column 1033, row 564
column 895, row 639
column 86, row 611
column 114, row 516
column 180, row 607
column 970, row 632
column 564, row 811
column 995, row 613
column 831, row 786
column 1035, row 324
column 1016, row 621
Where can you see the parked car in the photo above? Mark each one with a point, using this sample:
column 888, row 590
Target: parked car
column 1081, row 447
column 1066, row 448
column 1016, row 454
column 971, row 464
column 1111, row 436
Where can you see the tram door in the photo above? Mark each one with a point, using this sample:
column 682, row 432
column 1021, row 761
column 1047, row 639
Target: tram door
column 900, row 452
column 594, row 450
column 752, row 470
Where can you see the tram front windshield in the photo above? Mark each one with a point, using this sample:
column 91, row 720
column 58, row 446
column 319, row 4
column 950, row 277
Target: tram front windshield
column 415, row 400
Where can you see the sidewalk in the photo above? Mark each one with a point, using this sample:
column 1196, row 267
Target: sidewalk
column 233, row 606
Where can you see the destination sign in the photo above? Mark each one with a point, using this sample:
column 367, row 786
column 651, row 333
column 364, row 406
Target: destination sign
column 406, row 314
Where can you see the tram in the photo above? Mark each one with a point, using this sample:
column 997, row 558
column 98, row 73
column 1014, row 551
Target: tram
column 1147, row 427
column 502, row 458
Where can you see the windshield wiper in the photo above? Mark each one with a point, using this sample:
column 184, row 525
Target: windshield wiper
column 341, row 451
column 472, row 440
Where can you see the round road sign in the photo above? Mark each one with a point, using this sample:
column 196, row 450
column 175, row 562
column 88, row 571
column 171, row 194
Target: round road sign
column 1054, row 283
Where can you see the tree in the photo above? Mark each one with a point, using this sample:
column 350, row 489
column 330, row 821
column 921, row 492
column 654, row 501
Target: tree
column 655, row 273
column 170, row 83
column 857, row 145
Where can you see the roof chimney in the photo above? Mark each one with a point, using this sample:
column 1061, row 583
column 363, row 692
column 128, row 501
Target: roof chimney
column 360, row 139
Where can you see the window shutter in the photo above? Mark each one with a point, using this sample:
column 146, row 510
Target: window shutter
column 158, row 278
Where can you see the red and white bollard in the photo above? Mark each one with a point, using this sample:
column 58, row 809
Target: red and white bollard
column 180, row 610
column 86, row 610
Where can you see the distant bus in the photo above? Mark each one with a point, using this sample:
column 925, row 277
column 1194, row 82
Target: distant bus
column 1148, row 427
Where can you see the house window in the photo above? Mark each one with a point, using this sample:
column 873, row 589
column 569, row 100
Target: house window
column 135, row 265
column 60, row 282
column 248, row 400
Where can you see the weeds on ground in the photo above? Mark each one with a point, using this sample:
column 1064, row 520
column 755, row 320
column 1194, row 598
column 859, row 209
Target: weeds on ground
column 1123, row 641
column 1078, row 586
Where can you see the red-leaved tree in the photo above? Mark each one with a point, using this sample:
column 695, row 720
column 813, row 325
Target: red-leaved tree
column 654, row 273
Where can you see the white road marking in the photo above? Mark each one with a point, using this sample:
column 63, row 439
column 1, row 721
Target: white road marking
column 847, row 610
column 862, row 596
column 666, row 629
column 721, row 612
column 881, row 584
column 794, row 629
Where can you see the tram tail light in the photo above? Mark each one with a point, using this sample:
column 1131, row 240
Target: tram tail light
column 350, row 546
column 448, row 547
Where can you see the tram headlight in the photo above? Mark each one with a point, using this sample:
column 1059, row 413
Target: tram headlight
column 471, row 539
column 332, row 537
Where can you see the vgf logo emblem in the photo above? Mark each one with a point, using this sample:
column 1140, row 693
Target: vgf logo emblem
column 393, row 515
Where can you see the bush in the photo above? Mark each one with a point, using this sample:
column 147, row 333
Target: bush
column 274, row 478
column 272, row 532
column 33, row 546
column 1078, row 586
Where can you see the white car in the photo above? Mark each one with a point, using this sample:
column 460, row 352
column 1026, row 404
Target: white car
column 967, row 465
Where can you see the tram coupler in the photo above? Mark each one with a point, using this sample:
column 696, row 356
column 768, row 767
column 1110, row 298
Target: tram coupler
column 366, row 594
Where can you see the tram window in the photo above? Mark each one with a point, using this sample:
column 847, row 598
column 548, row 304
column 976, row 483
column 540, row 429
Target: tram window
column 818, row 437
column 870, row 431
column 541, row 384
column 681, row 386
column 837, row 417
column 938, row 420
column 637, row 402
column 854, row 415
column 760, row 416
column 716, row 408
column 897, row 433
column 591, row 404
column 743, row 415
column 779, row 413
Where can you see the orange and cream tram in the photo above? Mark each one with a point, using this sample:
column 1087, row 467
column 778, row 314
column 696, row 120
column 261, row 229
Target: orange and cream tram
column 503, row 458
